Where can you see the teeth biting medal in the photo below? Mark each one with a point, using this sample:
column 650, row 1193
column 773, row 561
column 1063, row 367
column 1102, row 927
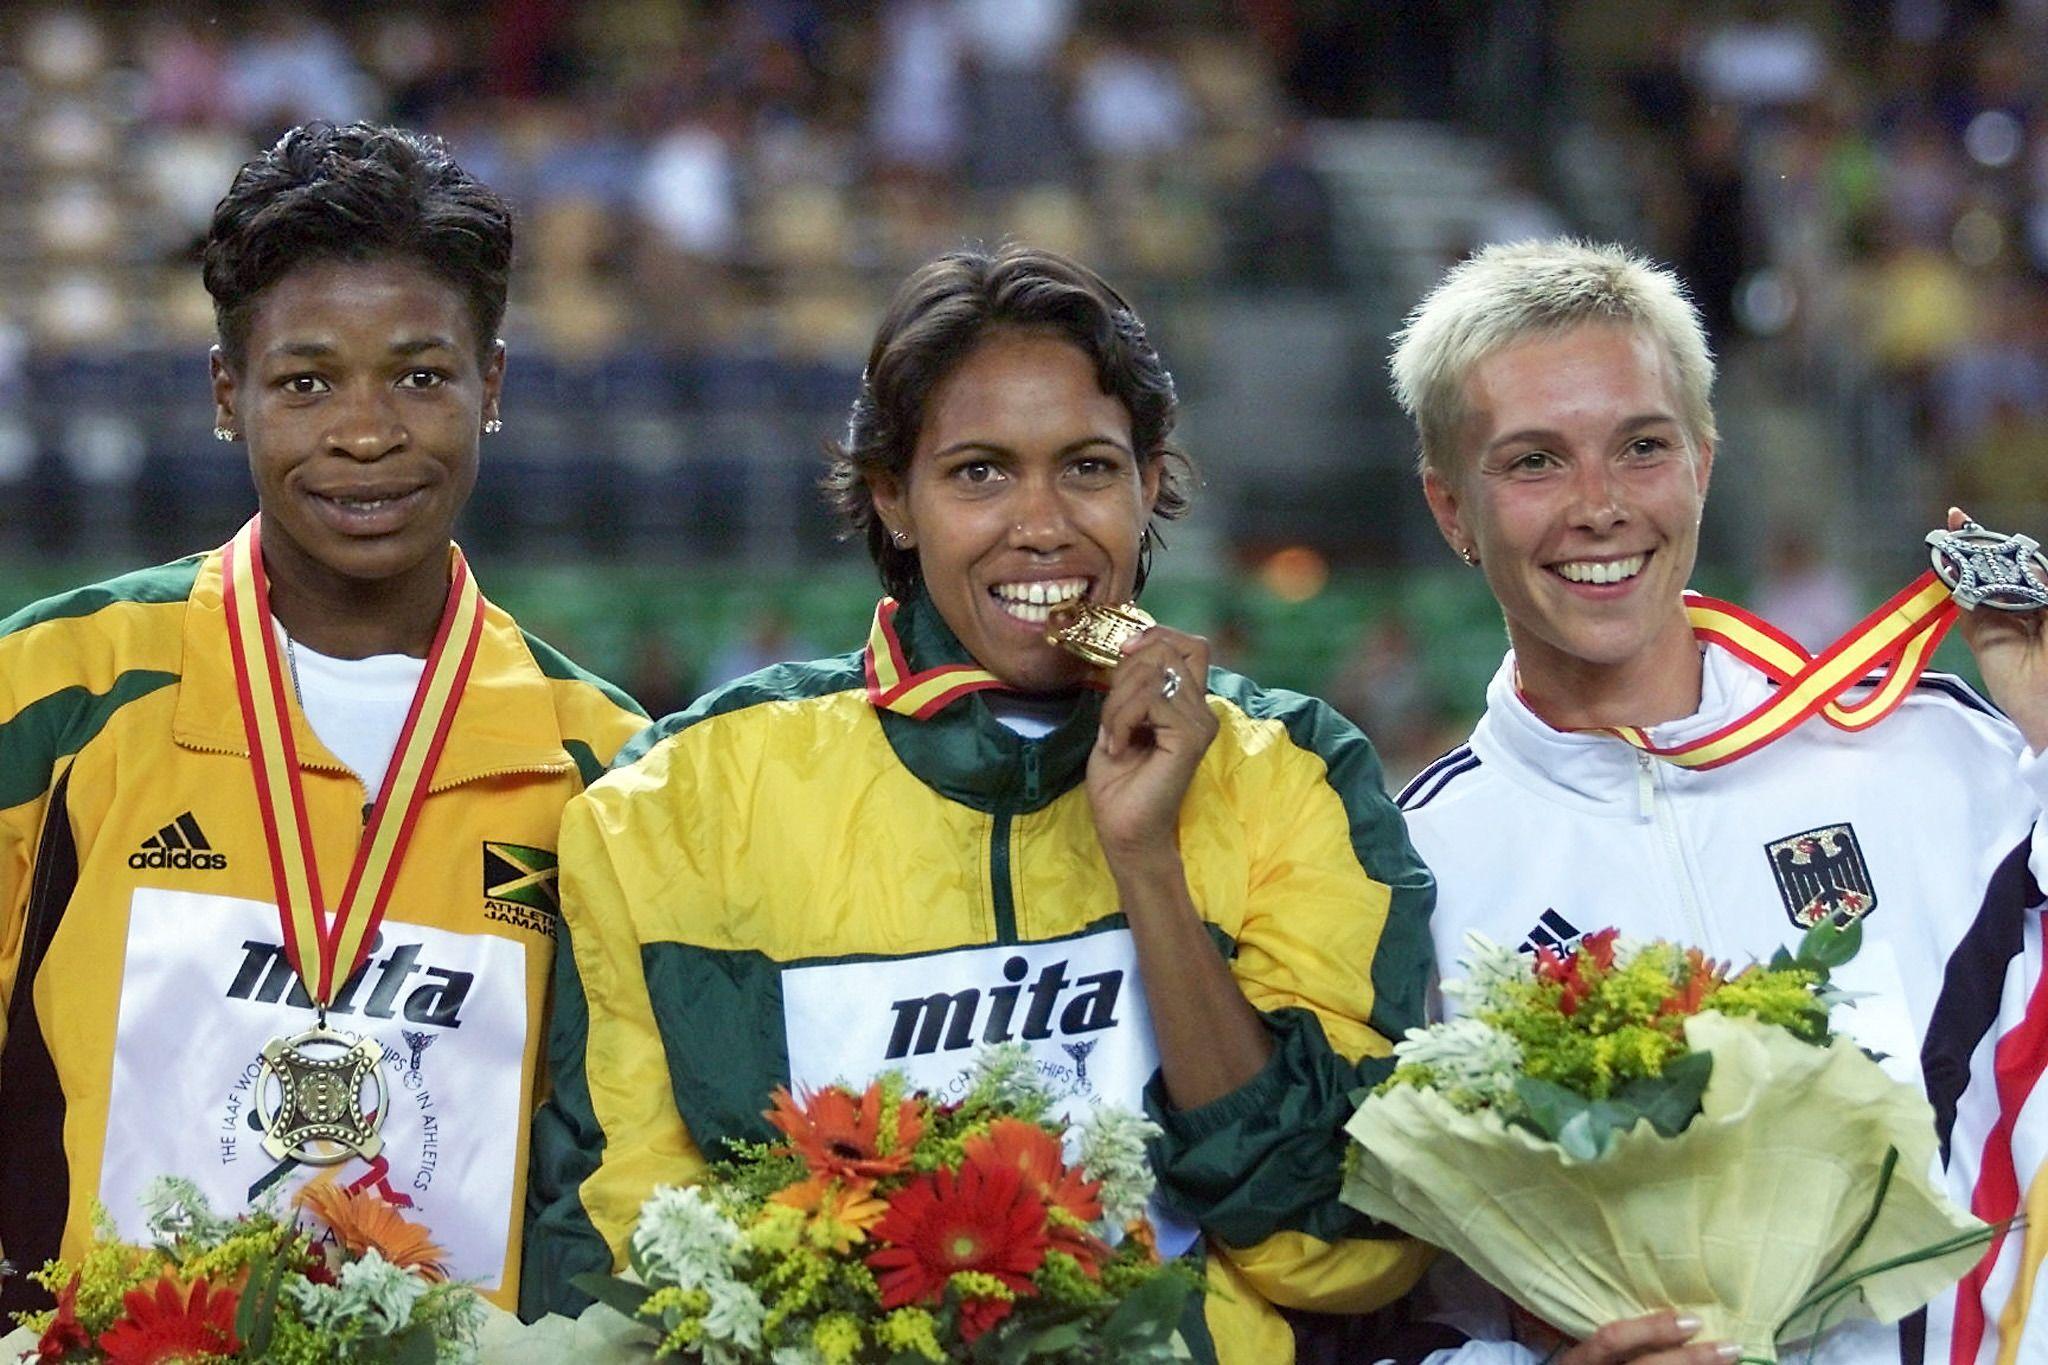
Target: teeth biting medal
column 1097, row 632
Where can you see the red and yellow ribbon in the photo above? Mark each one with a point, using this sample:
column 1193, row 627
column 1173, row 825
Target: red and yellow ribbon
column 326, row 948
column 893, row 687
column 1899, row 637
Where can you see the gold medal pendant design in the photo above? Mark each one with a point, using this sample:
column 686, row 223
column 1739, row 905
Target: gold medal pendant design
column 319, row 1117
column 1096, row 632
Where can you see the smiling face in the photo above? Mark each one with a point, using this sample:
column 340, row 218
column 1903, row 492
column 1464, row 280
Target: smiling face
column 362, row 399
column 1022, row 493
column 1579, row 491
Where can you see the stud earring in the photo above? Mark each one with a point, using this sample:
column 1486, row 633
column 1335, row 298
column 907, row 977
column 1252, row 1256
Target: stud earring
column 901, row 539
column 492, row 426
column 223, row 434
column 1465, row 553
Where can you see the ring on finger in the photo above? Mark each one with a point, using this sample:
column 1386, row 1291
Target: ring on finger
column 1169, row 686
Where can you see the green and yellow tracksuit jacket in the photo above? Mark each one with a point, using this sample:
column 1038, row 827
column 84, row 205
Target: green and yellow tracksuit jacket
column 141, row 967
column 830, row 869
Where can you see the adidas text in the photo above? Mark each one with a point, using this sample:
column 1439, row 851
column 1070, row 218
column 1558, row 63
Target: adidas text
column 179, row 858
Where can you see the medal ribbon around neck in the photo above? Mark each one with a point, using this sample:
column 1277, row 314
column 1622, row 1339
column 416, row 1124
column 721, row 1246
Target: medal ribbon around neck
column 892, row 686
column 1900, row 637
column 339, row 941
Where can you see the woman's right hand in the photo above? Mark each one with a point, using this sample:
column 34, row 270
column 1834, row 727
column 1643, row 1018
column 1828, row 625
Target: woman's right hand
column 1653, row 1339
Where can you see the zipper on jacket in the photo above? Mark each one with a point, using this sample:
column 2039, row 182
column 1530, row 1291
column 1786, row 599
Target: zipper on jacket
column 1001, row 889
column 1666, row 821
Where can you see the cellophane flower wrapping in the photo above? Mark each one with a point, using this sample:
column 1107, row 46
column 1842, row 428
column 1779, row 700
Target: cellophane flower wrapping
column 1736, row 1220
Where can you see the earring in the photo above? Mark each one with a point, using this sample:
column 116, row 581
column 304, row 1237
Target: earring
column 223, row 434
column 1465, row 553
column 901, row 539
column 492, row 426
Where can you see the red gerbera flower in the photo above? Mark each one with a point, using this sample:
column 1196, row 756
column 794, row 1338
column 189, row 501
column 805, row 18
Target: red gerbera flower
column 65, row 1333
column 979, row 1218
column 169, row 1323
column 837, row 1134
column 1036, row 1154
column 978, row 1315
column 1600, row 947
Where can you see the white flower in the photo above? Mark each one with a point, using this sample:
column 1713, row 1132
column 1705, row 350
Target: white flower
column 1113, row 1152
column 175, row 1209
column 371, row 1290
column 1470, row 1062
column 683, row 1238
column 1006, row 1077
column 736, row 1314
column 1488, row 967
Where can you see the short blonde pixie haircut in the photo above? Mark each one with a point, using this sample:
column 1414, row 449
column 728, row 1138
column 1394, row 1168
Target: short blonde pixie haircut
column 1505, row 293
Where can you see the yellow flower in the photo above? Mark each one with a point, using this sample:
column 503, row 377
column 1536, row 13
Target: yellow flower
column 839, row 1212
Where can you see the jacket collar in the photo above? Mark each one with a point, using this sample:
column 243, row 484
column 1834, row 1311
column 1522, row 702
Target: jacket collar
column 930, row 696
column 506, row 721
column 1591, row 770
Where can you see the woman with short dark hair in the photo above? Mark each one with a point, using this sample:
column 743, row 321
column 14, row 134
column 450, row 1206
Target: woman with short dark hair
column 964, row 834
column 290, row 804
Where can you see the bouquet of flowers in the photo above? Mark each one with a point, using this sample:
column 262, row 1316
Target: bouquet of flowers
column 892, row 1229
column 356, row 1283
column 1622, row 1127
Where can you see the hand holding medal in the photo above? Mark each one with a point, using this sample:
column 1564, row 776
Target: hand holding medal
column 2001, row 582
column 1156, row 722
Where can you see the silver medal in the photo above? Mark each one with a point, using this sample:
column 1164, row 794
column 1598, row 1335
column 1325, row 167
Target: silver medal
column 1986, row 569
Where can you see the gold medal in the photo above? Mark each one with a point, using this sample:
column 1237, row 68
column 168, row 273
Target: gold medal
column 1097, row 633
column 319, row 1116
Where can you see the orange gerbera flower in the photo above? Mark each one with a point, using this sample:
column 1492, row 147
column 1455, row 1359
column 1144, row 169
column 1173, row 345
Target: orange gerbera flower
column 841, row 1211
column 363, row 1222
column 837, row 1133
column 1035, row 1154
column 167, row 1322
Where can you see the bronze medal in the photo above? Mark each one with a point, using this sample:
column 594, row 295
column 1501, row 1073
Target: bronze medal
column 319, row 1078
column 1096, row 632
column 320, row 1117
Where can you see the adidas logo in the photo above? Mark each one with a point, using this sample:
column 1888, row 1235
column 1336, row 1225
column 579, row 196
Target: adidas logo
column 178, row 845
column 1552, row 931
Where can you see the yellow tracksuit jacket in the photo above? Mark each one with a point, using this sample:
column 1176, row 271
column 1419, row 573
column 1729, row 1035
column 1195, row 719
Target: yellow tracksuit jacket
column 798, row 879
column 140, row 960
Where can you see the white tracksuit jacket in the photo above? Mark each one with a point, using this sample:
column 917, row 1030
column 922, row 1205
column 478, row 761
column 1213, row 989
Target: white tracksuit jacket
column 1926, row 825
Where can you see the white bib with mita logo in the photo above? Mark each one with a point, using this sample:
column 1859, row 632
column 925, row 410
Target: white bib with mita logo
column 1077, row 1004
column 205, row 985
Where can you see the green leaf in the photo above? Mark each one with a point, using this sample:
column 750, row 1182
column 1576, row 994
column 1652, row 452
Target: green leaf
column 1828, row 945
column 256, row 1315
column 1064, row 1336
column 613, row 1292
column 1150, row 1313
column 1548, row 1106
column 1671, row 1101
column 414, row 1346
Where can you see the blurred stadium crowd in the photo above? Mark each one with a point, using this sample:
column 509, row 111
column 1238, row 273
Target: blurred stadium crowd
column 717, row 197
